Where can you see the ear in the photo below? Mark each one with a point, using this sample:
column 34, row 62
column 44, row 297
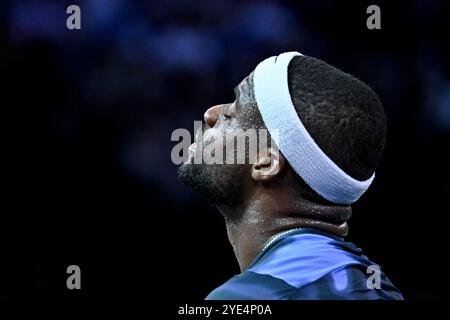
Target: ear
column 268, row 165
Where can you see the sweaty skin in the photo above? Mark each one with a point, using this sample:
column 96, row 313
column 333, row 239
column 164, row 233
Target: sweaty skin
column 270, row 204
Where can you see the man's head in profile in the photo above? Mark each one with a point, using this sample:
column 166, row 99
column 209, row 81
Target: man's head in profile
column 286, row 211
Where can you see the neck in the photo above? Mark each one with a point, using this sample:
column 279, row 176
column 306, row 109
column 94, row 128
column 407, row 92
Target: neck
column 268, row 213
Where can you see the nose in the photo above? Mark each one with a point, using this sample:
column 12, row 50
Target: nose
column 211, row 115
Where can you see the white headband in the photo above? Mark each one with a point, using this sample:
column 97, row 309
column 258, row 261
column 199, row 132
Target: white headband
column 304, row 155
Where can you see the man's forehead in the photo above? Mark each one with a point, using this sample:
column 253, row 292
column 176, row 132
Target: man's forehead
column 246, row 85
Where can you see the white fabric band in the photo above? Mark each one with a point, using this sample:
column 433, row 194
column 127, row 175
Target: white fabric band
column 298, row 147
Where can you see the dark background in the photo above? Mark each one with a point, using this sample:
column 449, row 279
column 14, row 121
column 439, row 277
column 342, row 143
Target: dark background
column 87, row 117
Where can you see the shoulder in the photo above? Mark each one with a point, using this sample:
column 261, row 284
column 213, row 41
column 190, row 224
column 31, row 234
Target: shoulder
column 349, row 283
column 253, row 286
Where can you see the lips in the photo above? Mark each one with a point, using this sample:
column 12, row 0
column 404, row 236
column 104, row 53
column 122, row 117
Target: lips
column 192, row 147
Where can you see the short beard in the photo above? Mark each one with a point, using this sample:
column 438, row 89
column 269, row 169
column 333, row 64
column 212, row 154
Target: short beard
column 220, row 184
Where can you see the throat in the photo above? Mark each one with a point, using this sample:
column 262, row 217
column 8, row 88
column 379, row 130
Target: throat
column 257, row 228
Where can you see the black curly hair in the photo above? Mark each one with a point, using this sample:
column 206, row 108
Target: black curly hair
column 341, row 113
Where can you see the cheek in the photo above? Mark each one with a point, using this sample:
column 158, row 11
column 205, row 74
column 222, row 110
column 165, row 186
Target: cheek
column 245, row 120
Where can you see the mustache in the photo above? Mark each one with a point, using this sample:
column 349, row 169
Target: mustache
column 200, row 133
